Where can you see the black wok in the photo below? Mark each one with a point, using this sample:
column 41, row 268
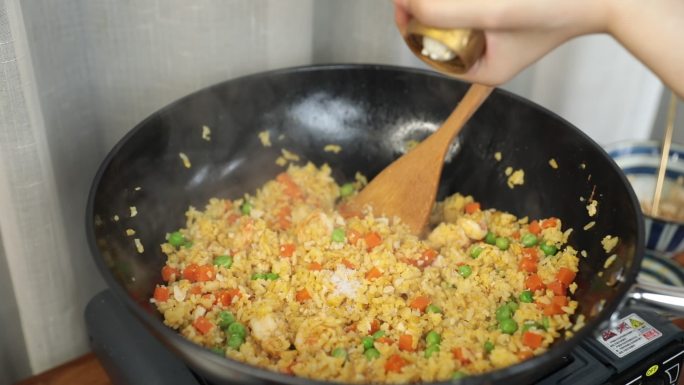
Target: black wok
column 371, row 111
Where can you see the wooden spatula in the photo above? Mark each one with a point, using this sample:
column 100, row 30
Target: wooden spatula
column 407, row 188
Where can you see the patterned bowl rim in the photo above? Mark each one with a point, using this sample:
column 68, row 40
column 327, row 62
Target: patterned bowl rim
column 619, row 149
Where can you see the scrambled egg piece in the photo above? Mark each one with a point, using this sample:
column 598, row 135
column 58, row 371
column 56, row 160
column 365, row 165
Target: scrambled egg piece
column 516, row 178
column 265, row 138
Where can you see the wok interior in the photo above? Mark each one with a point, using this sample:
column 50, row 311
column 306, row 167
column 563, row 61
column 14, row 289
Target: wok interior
column 370, row 112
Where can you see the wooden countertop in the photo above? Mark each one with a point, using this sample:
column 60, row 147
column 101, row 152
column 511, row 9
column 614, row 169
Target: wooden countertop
column 85, row 370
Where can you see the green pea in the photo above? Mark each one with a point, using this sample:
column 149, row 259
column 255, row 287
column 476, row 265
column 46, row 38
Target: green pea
column 490, row 238
column 177, row 239
column 338, row 235
column 378, row 334
column 503, row 312
column 346, row 190
column 433, row 338
column 475, row 252
column 433, row 309
column 430, row 350
column 235, row 341
column 465, row 271
column 224, row 261
column 528, row 240
column 458, row 375
column 237, row 329
column 367, row 342
column 187, row 245
column 548, row 249
column 513, row 306
column 488, row 346
column 371, row 354
column 226, row 318
column 219, row 351
column 246, row 208
column 526, row 296
column 256, row 276
column 502, row 243
column 508, row 326
column 545, row 322
column 271, row 276
column 339, row 353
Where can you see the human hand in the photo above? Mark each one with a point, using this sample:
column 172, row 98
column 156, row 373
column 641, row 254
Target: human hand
column 517, row 32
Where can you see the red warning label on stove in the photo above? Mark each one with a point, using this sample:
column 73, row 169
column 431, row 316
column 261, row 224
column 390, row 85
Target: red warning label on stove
column 629, row 334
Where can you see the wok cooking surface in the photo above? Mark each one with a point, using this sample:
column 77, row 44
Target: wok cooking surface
column 131, row 356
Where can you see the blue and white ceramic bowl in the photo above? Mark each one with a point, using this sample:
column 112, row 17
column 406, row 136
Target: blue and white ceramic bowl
column 639, row 160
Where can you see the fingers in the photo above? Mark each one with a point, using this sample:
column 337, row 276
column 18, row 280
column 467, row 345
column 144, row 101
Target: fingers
column 401, row 16
column 509, row 53
column 504, row 14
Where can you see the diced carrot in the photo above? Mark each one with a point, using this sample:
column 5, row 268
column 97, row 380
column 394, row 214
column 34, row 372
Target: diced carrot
column 302, row 295
column 373, row 273
column 552, row 309
column 525, row 355
column 287, row 249
column 350, row 327
column 161, row 293
column 532, row 340
column 289, row 186
column 385, row 340
column 315, row 266
column 548, row 223
column 516, row 234
column 232, row 218
column 195, row 289
column 560, row 300
column 284, row 218
column 528, row 264
column 203, row 325
column 557, row 288
column 372, row 239
column 530, row 252
column 169, row 273
column 205, row 273
column 374, row 327
column 226, row 296
column 406, row 343
column 348, row 264
column 472, row 207
column 353, row 236
column 395, row 363
column 565, row 276
column 534, row 227
column 427, row 257
column 420, row 303
column 458, row 354
column 534, row 282
column 190, row 272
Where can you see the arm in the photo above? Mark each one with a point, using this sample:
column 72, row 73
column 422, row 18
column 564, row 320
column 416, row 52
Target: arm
column 653, row 31
column 520, row 32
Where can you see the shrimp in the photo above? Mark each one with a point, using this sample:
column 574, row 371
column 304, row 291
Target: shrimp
column 269, row 332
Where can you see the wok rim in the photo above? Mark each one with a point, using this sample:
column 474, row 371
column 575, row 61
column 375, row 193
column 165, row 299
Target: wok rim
column 183, row 347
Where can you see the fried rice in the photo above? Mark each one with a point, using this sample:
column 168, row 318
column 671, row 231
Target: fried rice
column 291, row 280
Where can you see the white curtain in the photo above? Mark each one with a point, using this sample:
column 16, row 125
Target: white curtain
column 75, row 75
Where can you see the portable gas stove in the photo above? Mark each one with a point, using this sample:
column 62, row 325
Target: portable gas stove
column 643, row 348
